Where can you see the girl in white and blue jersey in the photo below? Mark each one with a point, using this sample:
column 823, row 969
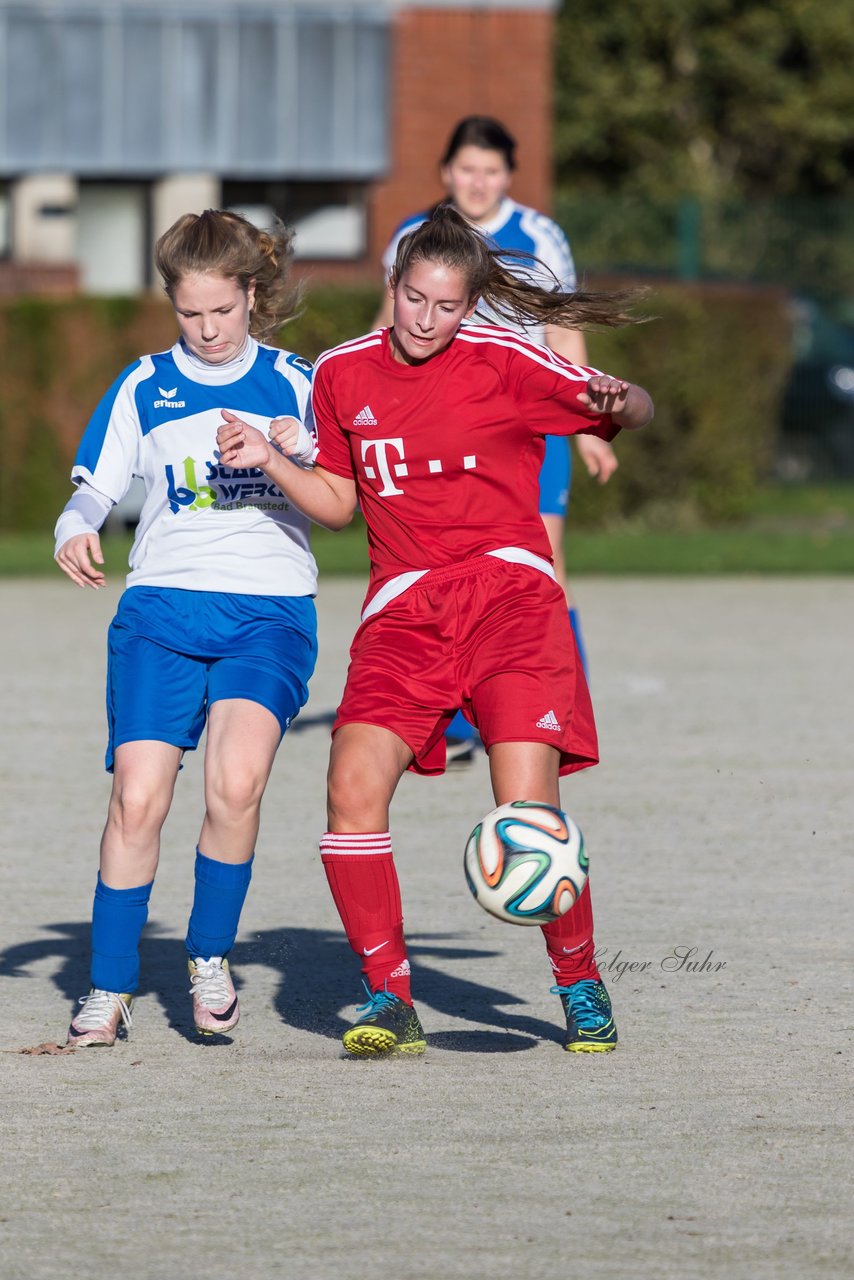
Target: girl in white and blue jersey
column 217, row 626
column 476, row 171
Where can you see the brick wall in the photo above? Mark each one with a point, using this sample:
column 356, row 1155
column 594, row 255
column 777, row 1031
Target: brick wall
column 452, row 63
column 446, row 63
column 61, row 278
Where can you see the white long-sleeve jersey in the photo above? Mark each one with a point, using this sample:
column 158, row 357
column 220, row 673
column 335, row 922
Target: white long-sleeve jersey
column 203, row 527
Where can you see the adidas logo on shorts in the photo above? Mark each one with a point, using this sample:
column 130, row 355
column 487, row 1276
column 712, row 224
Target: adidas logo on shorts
column 365, row 418
column 549, row 721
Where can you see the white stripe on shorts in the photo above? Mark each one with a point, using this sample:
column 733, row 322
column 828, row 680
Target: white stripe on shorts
column 396, row 586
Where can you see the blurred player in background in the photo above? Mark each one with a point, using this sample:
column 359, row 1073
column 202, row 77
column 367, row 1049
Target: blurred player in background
column 436, row 429
column 217, row 625
column 477, row 171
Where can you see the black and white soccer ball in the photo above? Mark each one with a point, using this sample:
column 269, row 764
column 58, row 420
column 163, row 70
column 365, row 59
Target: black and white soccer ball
column 526, row 862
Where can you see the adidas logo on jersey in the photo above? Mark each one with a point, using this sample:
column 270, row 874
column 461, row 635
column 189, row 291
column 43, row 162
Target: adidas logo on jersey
column 365, row 418
column 169, row 401
column 549, row 721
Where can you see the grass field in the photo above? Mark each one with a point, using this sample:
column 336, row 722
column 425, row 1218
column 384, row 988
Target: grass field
column 801, row 530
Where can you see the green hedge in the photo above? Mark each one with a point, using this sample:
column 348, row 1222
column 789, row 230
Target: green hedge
column 714, row 361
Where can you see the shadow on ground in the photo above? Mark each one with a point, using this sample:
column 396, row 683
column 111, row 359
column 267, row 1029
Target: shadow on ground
column 315, row 969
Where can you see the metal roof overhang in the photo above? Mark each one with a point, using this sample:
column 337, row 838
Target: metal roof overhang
column 138, row 89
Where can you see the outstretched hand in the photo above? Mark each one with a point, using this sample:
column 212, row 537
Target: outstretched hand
column 605, row 394
column 79, row 557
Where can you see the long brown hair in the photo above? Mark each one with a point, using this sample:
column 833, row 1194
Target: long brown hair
column 522, row 300
column 226, row 244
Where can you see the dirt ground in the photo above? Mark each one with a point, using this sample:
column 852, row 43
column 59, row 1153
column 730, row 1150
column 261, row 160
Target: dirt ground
column 714, row 1143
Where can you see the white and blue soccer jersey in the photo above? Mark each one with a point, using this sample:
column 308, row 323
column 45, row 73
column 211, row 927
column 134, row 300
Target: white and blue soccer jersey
column 516, row 227
column 203, row 527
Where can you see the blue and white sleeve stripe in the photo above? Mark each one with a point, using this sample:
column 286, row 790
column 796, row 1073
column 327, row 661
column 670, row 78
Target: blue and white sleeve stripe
column 108, row 453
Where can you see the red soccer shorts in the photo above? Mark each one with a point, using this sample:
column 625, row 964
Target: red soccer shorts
column 486, row 635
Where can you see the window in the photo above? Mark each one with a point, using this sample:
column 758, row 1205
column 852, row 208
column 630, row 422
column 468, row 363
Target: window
column 329, row 218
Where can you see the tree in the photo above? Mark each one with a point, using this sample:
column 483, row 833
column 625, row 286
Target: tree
column 706, row 98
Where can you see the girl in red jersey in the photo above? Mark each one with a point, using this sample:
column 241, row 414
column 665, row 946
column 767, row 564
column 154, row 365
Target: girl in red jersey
column 436, row 430
column 477, row 170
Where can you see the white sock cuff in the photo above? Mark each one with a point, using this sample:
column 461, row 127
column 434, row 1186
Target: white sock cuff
column 365, row 844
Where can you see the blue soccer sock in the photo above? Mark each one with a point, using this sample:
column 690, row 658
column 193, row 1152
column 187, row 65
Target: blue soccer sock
column 575, row 623
column 217, row 903
column 118, row 917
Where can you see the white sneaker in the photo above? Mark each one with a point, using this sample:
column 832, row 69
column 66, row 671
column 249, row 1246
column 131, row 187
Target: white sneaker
column 215, row 1007
column 98, row 1021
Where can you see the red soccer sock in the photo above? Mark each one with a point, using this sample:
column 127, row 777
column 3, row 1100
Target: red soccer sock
column 569, row 943
column 362, row 876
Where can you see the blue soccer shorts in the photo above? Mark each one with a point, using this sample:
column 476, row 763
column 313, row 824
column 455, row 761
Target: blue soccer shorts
column 172, row 653
column 555, row 476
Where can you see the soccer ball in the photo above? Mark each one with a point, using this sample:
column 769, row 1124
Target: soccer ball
column 526, row 862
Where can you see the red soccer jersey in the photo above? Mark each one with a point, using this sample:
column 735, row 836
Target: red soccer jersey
column 446, row 456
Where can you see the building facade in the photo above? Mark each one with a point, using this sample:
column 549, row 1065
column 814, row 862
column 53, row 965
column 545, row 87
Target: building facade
column 116, row 116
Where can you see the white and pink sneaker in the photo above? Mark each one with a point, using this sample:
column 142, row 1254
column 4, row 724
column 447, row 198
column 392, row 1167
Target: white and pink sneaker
column 98, row 1021
column 215, row 1007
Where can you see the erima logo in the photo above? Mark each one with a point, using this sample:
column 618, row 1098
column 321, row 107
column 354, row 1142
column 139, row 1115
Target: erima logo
column 549, row 721
column 169, row 401
column 365, row 418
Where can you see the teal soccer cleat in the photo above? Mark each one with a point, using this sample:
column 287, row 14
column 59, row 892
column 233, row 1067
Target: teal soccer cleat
column 388, row 1025
column 589, row 1021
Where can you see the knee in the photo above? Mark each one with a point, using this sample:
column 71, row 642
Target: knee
column 136, row 807
column 353, row 797
column 234, row 795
